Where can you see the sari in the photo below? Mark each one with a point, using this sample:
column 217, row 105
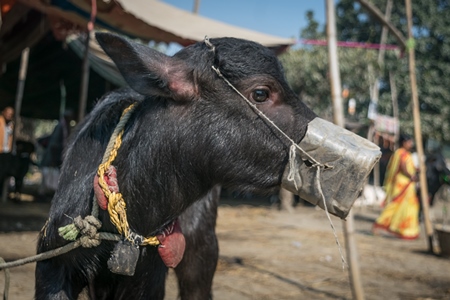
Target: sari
column 400, row 215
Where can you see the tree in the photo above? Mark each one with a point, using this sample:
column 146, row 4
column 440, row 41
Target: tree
column 306, row 68
column 432, row 45
column 312, row 30
column 307, row 72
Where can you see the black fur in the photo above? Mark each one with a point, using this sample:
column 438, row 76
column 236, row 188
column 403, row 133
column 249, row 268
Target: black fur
column 189, row 133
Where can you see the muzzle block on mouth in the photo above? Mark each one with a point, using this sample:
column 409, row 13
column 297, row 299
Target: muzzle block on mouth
column 346, row 160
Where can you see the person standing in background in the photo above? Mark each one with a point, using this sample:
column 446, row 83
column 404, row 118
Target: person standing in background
column 53, row 156
column 400, row 214
column 6, row 139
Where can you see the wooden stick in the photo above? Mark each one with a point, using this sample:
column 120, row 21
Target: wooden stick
column 417, row 130
column 338, row 117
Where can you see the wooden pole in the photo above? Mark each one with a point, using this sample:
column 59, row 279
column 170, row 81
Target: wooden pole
column 62, row 101
column 394, row 99
column 336, row 93
column 84, row 79
column 379, row 15
column 376, row 87
column 415, row 101
column 417, row 128
column 19, row 94
column 338, row 117
column 85, row 65
column 286, row 200
column 384, row 32
column 196, row 6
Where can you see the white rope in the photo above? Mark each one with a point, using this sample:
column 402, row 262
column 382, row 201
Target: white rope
column 291, row 175
column 319, row 187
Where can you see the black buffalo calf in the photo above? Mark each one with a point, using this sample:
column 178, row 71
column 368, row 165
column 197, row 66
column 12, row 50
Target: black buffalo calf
column 188, row 134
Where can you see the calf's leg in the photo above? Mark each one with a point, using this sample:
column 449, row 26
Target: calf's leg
column 196, row 270
column 55, row 282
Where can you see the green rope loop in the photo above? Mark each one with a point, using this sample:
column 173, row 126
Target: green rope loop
column 69, row 232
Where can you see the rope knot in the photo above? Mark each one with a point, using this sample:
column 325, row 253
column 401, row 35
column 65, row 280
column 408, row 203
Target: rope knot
column 87, row 227
column 209, row 44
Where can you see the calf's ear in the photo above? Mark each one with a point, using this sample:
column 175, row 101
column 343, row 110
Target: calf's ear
column 148, row 71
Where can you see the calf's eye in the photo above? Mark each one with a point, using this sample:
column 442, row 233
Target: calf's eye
column 260, row 95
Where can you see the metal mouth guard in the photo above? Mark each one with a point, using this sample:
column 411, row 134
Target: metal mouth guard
column 346, row 160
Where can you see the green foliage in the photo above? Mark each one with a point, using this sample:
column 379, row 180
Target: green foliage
column 307, row 68
column 312, row 30
column 432, row 51
column 307, row 73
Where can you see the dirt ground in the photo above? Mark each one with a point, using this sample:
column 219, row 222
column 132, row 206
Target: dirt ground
column 270, row 254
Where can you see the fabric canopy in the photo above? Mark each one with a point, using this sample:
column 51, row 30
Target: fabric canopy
column 192, row 27
column 151, row 20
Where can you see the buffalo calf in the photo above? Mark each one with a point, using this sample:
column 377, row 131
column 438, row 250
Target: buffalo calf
column 189, row 133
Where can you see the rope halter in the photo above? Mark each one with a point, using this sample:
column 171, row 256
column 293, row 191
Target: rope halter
column 116, row 202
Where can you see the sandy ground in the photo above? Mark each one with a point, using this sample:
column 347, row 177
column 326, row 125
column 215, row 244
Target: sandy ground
column 270, row 254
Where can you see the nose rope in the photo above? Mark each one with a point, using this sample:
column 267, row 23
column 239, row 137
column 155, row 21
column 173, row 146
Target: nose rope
column 261, row 114
column 291, row 175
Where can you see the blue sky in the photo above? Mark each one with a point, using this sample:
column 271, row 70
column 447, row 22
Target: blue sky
column 283, row 18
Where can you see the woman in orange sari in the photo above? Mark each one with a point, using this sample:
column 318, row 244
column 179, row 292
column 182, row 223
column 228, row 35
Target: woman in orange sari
column 400, row 214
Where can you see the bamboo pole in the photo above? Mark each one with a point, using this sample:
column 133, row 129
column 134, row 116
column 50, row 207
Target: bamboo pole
column 85, row 64
column 417, row 128
column 379, row 15
column 394, row 99
column 336, row 93
column 62, row 100
column 19, row 93
column 84, row 79
column 196, row 6
column 286, row 200
column 415, row 101
column 376, row 87
column 338, row 117
column 384, row 32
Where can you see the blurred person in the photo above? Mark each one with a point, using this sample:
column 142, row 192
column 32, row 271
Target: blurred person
column 437, row 173
column 399, row 217
column 6, row 139
column 23, row 161
column 53, row 156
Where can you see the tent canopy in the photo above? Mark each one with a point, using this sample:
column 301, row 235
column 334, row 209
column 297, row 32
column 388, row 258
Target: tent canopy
column 144, row 19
